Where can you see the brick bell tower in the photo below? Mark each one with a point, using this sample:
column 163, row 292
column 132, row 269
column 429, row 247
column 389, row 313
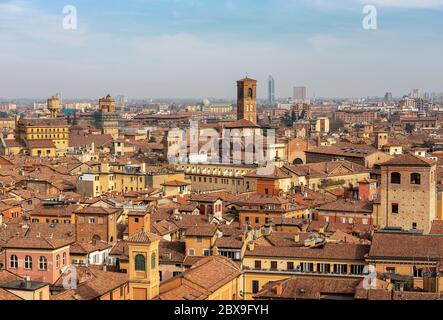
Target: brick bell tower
column 247, row 100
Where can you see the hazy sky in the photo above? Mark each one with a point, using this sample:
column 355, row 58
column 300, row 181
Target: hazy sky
column 199, row 48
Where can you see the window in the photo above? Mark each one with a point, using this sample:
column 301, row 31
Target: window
column 290, row 266
column 257, row 220
column 323, row 268
column 340, row 268
column 206, row 252
column 414, row 225
column 91, row 220
column 136, row 220
column 357, row 269
column 394, row 208
column 255, row 286
column 28, row 263
column 64, row 259
column 140, row 263
column 307, row 267
column 57, row 261
column 153, row 260
column 395, row 178
column 191, row 252
column 273, row 265
column 390, row 270
column 257, row 264
column 199, row 239
column 13, row 262
column 43, row 264
column 415, row 178
column 417, row 272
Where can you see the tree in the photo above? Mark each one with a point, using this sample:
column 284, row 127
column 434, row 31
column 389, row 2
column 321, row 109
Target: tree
column 409, row 128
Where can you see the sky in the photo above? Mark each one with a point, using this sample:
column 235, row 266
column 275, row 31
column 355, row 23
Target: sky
column 199, row 48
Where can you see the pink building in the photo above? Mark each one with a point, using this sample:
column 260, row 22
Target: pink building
column 40, row 252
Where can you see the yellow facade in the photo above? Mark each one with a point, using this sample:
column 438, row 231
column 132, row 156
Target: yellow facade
column 144, row 285
column 43, row 152
column 38, row 294
column 198, row 245
column 35, row 130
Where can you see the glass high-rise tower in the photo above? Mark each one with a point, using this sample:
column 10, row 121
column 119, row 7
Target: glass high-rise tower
column 271, row 90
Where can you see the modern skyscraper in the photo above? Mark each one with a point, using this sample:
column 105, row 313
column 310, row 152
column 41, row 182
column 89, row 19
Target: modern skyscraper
column 388, row 97
column 299, row 94
column 415, row 94
column 271, row 90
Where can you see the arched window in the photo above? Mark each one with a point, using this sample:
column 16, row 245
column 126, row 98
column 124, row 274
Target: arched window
column 250, row 93
column 64, row 259
column 415, row 178
column 153, row 256
column 57, row 261
column 28, row 262
column 43, row 264
column 395, row 178
column 140, row 263
column 13, row 262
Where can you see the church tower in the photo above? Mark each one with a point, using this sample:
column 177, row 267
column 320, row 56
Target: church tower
column 247, row 100
column 144, row 276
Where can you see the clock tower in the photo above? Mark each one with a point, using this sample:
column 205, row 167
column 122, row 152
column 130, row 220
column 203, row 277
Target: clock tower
column 247, row 100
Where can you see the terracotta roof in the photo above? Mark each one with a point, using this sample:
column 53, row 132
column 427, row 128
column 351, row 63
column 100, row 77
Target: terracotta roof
column 234, row 242
column 409, row 159
column 172, row 252
column 44, row 122
column 40, row 143
column 6, row 295
column 164, row 227
column 243, row 123
column 144, row 237
column 342, row 251
column 201, row 231
column 14, row 143
column 80, row 140
column 43, row 236
column 276, row 174
column 6, row 277
column 93, row 283
column 406, row 246
column 201, row 281
column 175, row 183
column 308, row 287
column 82, row 248
column 96, row 210
column 355, row 151
column 345, row 205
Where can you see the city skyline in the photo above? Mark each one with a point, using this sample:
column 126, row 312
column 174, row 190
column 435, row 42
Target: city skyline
column 171, row 49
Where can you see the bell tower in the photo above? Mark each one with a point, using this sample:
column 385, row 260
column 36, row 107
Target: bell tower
column 144, row 277
column 247, row 100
